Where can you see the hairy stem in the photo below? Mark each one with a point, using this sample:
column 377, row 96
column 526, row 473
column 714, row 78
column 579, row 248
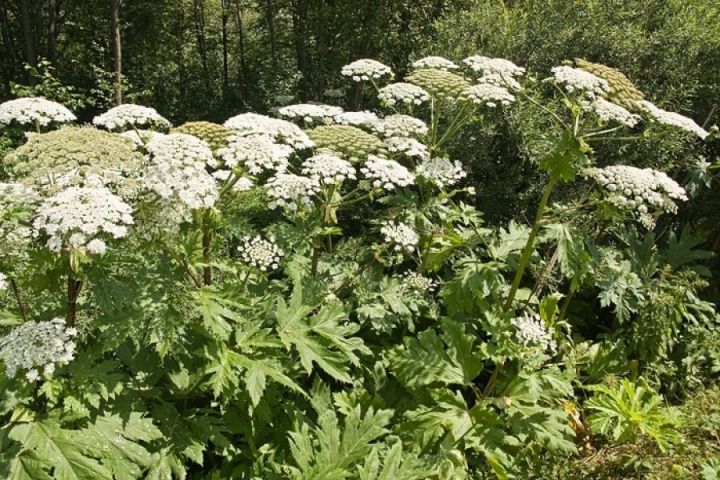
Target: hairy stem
column 207, row 257
column 18, row 297
column 527, row 251
column 74, row 286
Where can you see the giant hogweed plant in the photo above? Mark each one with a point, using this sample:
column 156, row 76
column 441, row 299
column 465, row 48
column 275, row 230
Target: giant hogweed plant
column 312, row 296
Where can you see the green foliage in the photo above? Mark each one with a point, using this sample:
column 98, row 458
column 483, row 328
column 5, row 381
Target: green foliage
column 629, row 409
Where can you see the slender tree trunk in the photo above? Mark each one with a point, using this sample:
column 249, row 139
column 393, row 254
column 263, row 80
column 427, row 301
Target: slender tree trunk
column 52, row 31
column 270, row 19
column 299, row 20
column 28, row 35
column 224, row 20
column 200, row 31
column 117, row 47
column 242, row 77
column 8, row 39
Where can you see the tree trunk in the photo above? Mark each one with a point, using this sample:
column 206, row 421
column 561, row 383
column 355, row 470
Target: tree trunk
column 224, row 20
column 270, row 19
column 299, row 18
column 8, row 40
column 200, row 32
column 28, row 34
column 52, row 31
column 242, row 77
column 117, row 47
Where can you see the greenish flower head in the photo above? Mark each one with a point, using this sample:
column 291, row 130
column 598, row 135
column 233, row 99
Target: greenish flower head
column 349, row 142
column 77, row 156
column 622, row 90
column 439, row 83
column 214, row 134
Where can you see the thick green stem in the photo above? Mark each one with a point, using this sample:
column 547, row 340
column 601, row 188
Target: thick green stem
column 527, row 251
column 73, row 292
column 18, row 297
column 207, row 257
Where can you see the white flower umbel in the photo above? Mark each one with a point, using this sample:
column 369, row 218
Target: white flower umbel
column 407, row 146
column 365, row 69
column 288, row 191
column 3, row 282
column 579, row 81
column 180, row 148
column 364, row 119
column 328, row 169
column 386, row 174
column 642, row 190
column 96, row 247
column 37, row 346
column 403, row 126
column 129, row 116
column 310, row 114
column 438, row 63
column 279, row 130
column 488, row 95
column 34, row 111
column 419, row 283
column 673, row 119
column 260, row 253
column 531, row 330
column 257, row 153
column 75, row 215
column 177, row 173
column 441, row 171
column 403, row 93
column 610, row 112
column 400, row 235
column 496, row 71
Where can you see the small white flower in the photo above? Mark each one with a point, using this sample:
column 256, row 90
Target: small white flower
column 673, row 119
column 488, row 95
column 75, row 214
column 532, row 330
column 3, row 282
column 96, row 247
column 177, row 173
column 496, row 71
column 401, row 235
column 441, row 171
column 579, row 81
column 386, row 174
column 439, row 63
column 640, row 190
column 328, row 169
column 403, row 93
column 407, row 146
column 260, row 253
column 365, row 69
column 34, row 345
column 610, row 112
column 257, row 153
column 403, row 126
column 129, row 116
column 280, row 131
column 288, row 191
column 310, row 114
column 34, row 110
column 420, row 283
column 364, row 119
